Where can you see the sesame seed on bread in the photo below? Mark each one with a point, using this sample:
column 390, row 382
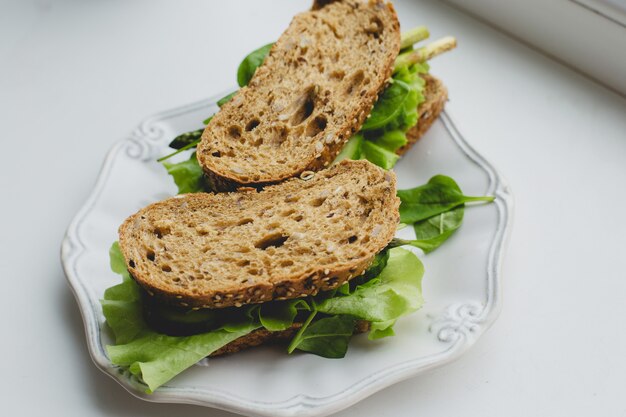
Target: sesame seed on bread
column 288, row 240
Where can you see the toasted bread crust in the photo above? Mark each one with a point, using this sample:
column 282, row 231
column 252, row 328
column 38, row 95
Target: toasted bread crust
column 436, row 95
column 281, row 125
column 289, row 240
column 262, row 336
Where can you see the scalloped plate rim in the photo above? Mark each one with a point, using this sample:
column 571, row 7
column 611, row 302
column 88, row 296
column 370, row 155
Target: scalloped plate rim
column 299, row 405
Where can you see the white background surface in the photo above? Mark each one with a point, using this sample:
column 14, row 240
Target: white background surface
column 587, row 34
column 76, row 76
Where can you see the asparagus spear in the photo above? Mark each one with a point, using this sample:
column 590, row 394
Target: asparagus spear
column 183, row 142
column 185, row 139
column 425, row 53
column 413, row 36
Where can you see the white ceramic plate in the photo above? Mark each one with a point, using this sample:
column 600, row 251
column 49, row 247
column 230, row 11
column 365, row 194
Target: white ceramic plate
column 461, row 284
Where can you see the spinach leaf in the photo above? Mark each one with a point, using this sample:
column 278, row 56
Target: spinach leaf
column 390, row 103
column 327, row 337
column 250, row 63
column 279, row 315
column 187, row 175
column 432, row 232
column 378, row 264
column 224, row 100
column 439, row 195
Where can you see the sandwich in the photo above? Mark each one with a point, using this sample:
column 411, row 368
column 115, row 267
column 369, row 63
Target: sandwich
column 302, row 261
column 341, row 82
column 307, row 263
column 301, row 252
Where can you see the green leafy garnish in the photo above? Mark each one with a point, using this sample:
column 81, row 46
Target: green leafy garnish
column 359, row 148
column 435, row 210
column 392, row 140
column 224, row 100
column 250, row 63
column 395, row 112
column 277, row 316
column 388, row 107
column 187, row 175
column 153, row 357
column 439, row 195
column 327, row 337
column 432, row 232
column 352, row 149
column 378, row 155
column 393, row 293
column 157, row 358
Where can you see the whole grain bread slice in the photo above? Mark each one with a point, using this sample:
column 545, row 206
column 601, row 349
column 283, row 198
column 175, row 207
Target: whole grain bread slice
column 313, row 91
column 289, row 240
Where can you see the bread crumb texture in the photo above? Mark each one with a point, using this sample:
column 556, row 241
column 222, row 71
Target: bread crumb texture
column 314, row 90
column 289, row 240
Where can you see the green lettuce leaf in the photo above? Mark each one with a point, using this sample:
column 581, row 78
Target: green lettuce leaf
column 391, row 140
column 395, row 292
column 352, row 149
column 388, row 108
column 393, row 114
column 116, row 261
column 157, row 358
column 187, row 175
column 378, row 155
column 359, row 148
column 152, row 357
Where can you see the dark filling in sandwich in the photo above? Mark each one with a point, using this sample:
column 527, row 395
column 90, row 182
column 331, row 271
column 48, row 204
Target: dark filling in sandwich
column 177, row 321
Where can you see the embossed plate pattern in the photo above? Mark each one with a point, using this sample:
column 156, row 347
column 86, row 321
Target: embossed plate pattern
column 461, row 284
